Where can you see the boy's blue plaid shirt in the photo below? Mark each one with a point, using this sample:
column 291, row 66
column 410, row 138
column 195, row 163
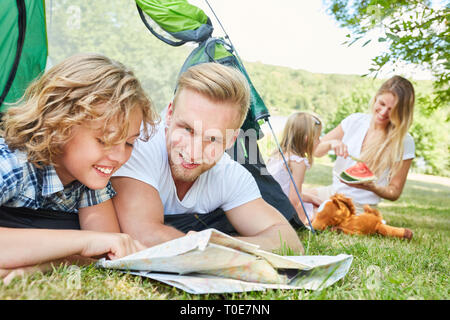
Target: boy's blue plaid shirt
column 24, row 185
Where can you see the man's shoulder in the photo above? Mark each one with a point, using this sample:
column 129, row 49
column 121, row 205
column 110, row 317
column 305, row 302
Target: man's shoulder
column 152, row 149
column 228, row 173
column 226, row 166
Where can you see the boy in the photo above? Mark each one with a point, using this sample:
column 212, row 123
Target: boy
column 58, row 149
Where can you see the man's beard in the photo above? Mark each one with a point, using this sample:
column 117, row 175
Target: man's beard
column 186, row 175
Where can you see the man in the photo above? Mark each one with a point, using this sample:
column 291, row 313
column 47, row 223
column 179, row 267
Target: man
column 176, row 179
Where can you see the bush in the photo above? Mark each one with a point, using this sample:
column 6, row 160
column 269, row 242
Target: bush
column 430, row 132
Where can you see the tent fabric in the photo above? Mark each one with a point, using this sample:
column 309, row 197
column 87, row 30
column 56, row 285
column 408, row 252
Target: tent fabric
column 186, row 22
column 217, row 50
column 23, row 47
column 180, row 19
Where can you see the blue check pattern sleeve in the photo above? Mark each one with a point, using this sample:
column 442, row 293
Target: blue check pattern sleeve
column 93, row 197
column 24, row 185
column 10, row 174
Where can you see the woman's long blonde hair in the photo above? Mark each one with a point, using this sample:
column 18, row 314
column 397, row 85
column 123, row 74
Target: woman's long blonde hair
column 299, row 133
column 81, row 88
column 387, row 152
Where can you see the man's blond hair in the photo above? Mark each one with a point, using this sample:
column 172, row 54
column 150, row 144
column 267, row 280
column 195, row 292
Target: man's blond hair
column 218, row 83
column 80, row 89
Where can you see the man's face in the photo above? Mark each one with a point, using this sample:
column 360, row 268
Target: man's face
column 197, row 134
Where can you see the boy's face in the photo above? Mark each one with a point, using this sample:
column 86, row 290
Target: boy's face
column 198, row 132
column 85, row 158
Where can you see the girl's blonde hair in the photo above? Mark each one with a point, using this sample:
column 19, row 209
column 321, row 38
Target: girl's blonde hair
column 218, row 83
column 387, row 152
column 299, row 133
column 81, row 88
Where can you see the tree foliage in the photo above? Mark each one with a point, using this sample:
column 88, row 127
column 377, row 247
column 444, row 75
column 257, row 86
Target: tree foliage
column 416, row 32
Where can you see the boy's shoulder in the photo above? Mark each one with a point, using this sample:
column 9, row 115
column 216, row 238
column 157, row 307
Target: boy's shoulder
column 11, row 160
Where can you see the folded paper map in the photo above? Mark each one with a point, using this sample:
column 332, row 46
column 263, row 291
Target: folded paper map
column 213, row 262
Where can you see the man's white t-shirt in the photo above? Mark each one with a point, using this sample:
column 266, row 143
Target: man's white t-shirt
column 355, row 129
column 227, row 185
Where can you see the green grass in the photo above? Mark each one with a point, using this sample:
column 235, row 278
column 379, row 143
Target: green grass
column 383, row 268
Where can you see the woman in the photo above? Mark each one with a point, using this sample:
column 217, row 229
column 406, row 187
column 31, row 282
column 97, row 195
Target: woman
column 379, row 139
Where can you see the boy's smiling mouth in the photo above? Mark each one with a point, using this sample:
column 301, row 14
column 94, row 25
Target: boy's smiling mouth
column 104, row 170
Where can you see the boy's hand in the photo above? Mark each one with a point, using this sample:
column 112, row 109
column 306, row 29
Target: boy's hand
column 114, row 245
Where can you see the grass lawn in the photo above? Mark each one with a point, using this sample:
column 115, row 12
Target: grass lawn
column 382, row 268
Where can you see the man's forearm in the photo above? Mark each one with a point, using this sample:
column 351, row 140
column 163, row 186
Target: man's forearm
column 158, row 233
column 277, row 237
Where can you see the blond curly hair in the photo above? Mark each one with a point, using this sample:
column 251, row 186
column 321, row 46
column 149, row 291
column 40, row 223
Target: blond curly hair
column 82, row 88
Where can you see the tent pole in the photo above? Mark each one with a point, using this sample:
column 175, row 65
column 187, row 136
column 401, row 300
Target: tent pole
column 267, row 120
column 226, row 34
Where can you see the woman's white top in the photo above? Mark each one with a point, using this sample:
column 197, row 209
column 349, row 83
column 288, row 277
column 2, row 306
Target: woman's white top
column 355, row 128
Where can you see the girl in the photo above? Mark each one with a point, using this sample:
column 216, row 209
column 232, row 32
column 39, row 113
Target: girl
column 380, row 139
column 300, row 138
column 75, row 128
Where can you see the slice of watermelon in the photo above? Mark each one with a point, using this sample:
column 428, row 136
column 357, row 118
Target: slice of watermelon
column 358, row 172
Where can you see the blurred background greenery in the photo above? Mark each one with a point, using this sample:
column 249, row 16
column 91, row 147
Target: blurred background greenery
column 114, row 28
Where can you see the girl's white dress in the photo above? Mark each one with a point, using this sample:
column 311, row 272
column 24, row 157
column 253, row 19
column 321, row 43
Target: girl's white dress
column 278, row 170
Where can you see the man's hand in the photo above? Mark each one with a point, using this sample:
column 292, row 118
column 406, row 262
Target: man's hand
column 259, row 223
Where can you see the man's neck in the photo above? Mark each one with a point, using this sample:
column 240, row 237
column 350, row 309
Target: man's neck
column 182, row 188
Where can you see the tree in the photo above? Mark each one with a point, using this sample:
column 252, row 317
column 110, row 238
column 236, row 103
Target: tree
column 416, row 32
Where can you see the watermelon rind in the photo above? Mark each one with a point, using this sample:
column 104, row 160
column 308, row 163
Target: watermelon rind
column 346, row 176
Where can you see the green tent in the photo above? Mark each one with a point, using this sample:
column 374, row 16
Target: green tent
column 177, row 22
column 23, row 47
